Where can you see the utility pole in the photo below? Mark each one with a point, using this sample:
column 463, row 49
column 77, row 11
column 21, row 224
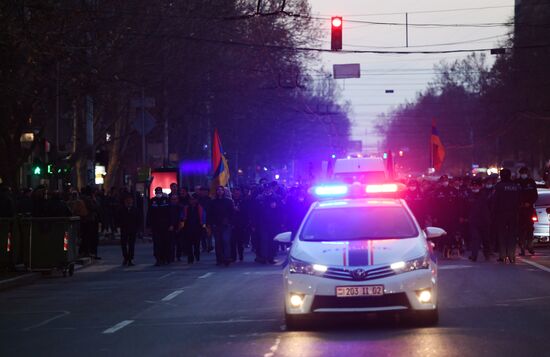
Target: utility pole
column 143, row 155
column 407, row 29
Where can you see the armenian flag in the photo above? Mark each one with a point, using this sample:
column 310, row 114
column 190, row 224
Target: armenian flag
column 219, row 164
column 437, row 149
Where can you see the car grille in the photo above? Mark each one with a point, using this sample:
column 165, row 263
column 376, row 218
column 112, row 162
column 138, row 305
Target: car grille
column 346, row 273
column 333, row 302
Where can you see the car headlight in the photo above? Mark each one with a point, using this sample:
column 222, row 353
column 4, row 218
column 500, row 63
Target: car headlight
column 411, row 265
column 300, row 267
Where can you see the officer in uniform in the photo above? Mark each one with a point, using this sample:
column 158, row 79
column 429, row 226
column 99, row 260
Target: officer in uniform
column 158, row 219
column 444, row 214
column 415, row 201
column 478, row 219
column 507, row 202
column 528, row 197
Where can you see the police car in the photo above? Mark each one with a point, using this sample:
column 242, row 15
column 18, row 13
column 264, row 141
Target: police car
column 361, row 254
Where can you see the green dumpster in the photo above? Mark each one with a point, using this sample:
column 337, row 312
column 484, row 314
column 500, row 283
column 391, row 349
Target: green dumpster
column 49, row 243
column 9, row 243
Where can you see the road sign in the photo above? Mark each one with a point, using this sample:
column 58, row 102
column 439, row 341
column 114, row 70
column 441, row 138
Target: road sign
column 147, row 102
column 350, row 70
column 148, row 124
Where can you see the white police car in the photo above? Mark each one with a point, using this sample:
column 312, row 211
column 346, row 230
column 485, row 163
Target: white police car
column 365, row 254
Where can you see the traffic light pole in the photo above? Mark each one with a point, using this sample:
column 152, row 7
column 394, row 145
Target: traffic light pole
column 143, row 126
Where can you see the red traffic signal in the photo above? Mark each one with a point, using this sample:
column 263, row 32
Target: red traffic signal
column 336, row 33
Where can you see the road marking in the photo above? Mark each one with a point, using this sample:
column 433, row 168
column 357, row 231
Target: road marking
column 205, row 275
column 536, row 265
column 118, row 326
column 172, row 295
column 222, row 322
column 45, row 322
column 167, row 275
column 273, row 348
column 451, row 267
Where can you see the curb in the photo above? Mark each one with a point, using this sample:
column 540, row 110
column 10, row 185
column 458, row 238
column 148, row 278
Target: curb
column 30, row 277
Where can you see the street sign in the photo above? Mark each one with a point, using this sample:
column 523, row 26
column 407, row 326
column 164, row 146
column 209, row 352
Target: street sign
column 148, row 124
column 343, row 71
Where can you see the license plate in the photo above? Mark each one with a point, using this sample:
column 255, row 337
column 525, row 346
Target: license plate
column 361, row 290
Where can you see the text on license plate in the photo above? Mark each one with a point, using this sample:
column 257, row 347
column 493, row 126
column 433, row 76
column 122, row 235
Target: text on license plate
column 361, row 290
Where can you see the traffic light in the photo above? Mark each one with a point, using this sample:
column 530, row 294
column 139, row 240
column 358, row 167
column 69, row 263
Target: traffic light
column 37, row 170
column 336, row 33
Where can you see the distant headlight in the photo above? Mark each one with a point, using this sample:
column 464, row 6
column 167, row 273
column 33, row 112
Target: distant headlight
column 411, row 265
column 300, row 267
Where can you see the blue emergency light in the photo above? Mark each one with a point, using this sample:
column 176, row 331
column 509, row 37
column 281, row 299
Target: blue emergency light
column 332, row 190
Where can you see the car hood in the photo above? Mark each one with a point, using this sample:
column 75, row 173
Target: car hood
column 360, row 252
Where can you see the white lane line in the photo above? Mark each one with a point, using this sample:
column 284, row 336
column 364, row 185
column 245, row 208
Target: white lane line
column 536, row 265
column 452, row 267
column 167, row 275
column 273, row 348
column 45, row 322
column 118, row 326
column 204, row 276
column 172, row 295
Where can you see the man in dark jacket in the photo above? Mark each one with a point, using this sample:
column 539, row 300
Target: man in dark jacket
column 528, row 197
column 241, row 221
column 129, row 221
column 220, row 217
column 478, row 219
column 158, row 220
column 507, row 202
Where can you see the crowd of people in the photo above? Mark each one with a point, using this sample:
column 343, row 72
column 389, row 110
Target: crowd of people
column 489, row 215
column 232, row 220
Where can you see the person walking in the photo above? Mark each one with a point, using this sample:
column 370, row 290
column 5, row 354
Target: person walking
column 129, row 221
column 507, row 203
column 175, row 212
column 478, row 220
column 194, row 222
column 240, row 234
column 528, row 197
column 220, row 218
column 158, row 220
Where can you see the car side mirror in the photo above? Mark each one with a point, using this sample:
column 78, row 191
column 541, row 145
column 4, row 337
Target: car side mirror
column 434, row 232
column 285, row 237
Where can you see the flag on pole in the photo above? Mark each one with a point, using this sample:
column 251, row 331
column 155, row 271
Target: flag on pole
column 437, row 149
column 219, row 164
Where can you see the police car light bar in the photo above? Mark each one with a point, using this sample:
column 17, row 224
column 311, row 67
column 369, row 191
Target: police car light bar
column 385, row 188
column 334, row 190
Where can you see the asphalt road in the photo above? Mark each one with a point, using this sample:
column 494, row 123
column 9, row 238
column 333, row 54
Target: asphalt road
column 486, row 309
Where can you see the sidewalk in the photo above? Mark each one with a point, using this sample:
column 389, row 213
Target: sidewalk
column 10, row 279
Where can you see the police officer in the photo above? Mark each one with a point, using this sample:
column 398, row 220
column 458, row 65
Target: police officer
column 444, row 214
column 528, row 197
column 478, row 219
column 158, row 219
column 507, row 202
column 415, row 201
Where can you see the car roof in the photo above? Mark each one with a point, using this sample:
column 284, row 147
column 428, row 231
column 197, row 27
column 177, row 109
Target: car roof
column 358, row 202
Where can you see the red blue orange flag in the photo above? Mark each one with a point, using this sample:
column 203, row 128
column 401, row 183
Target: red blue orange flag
column 220, row 176
column 437, row 149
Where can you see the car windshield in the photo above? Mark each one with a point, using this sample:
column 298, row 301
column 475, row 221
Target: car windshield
column 354, row 223
column 543, row 200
